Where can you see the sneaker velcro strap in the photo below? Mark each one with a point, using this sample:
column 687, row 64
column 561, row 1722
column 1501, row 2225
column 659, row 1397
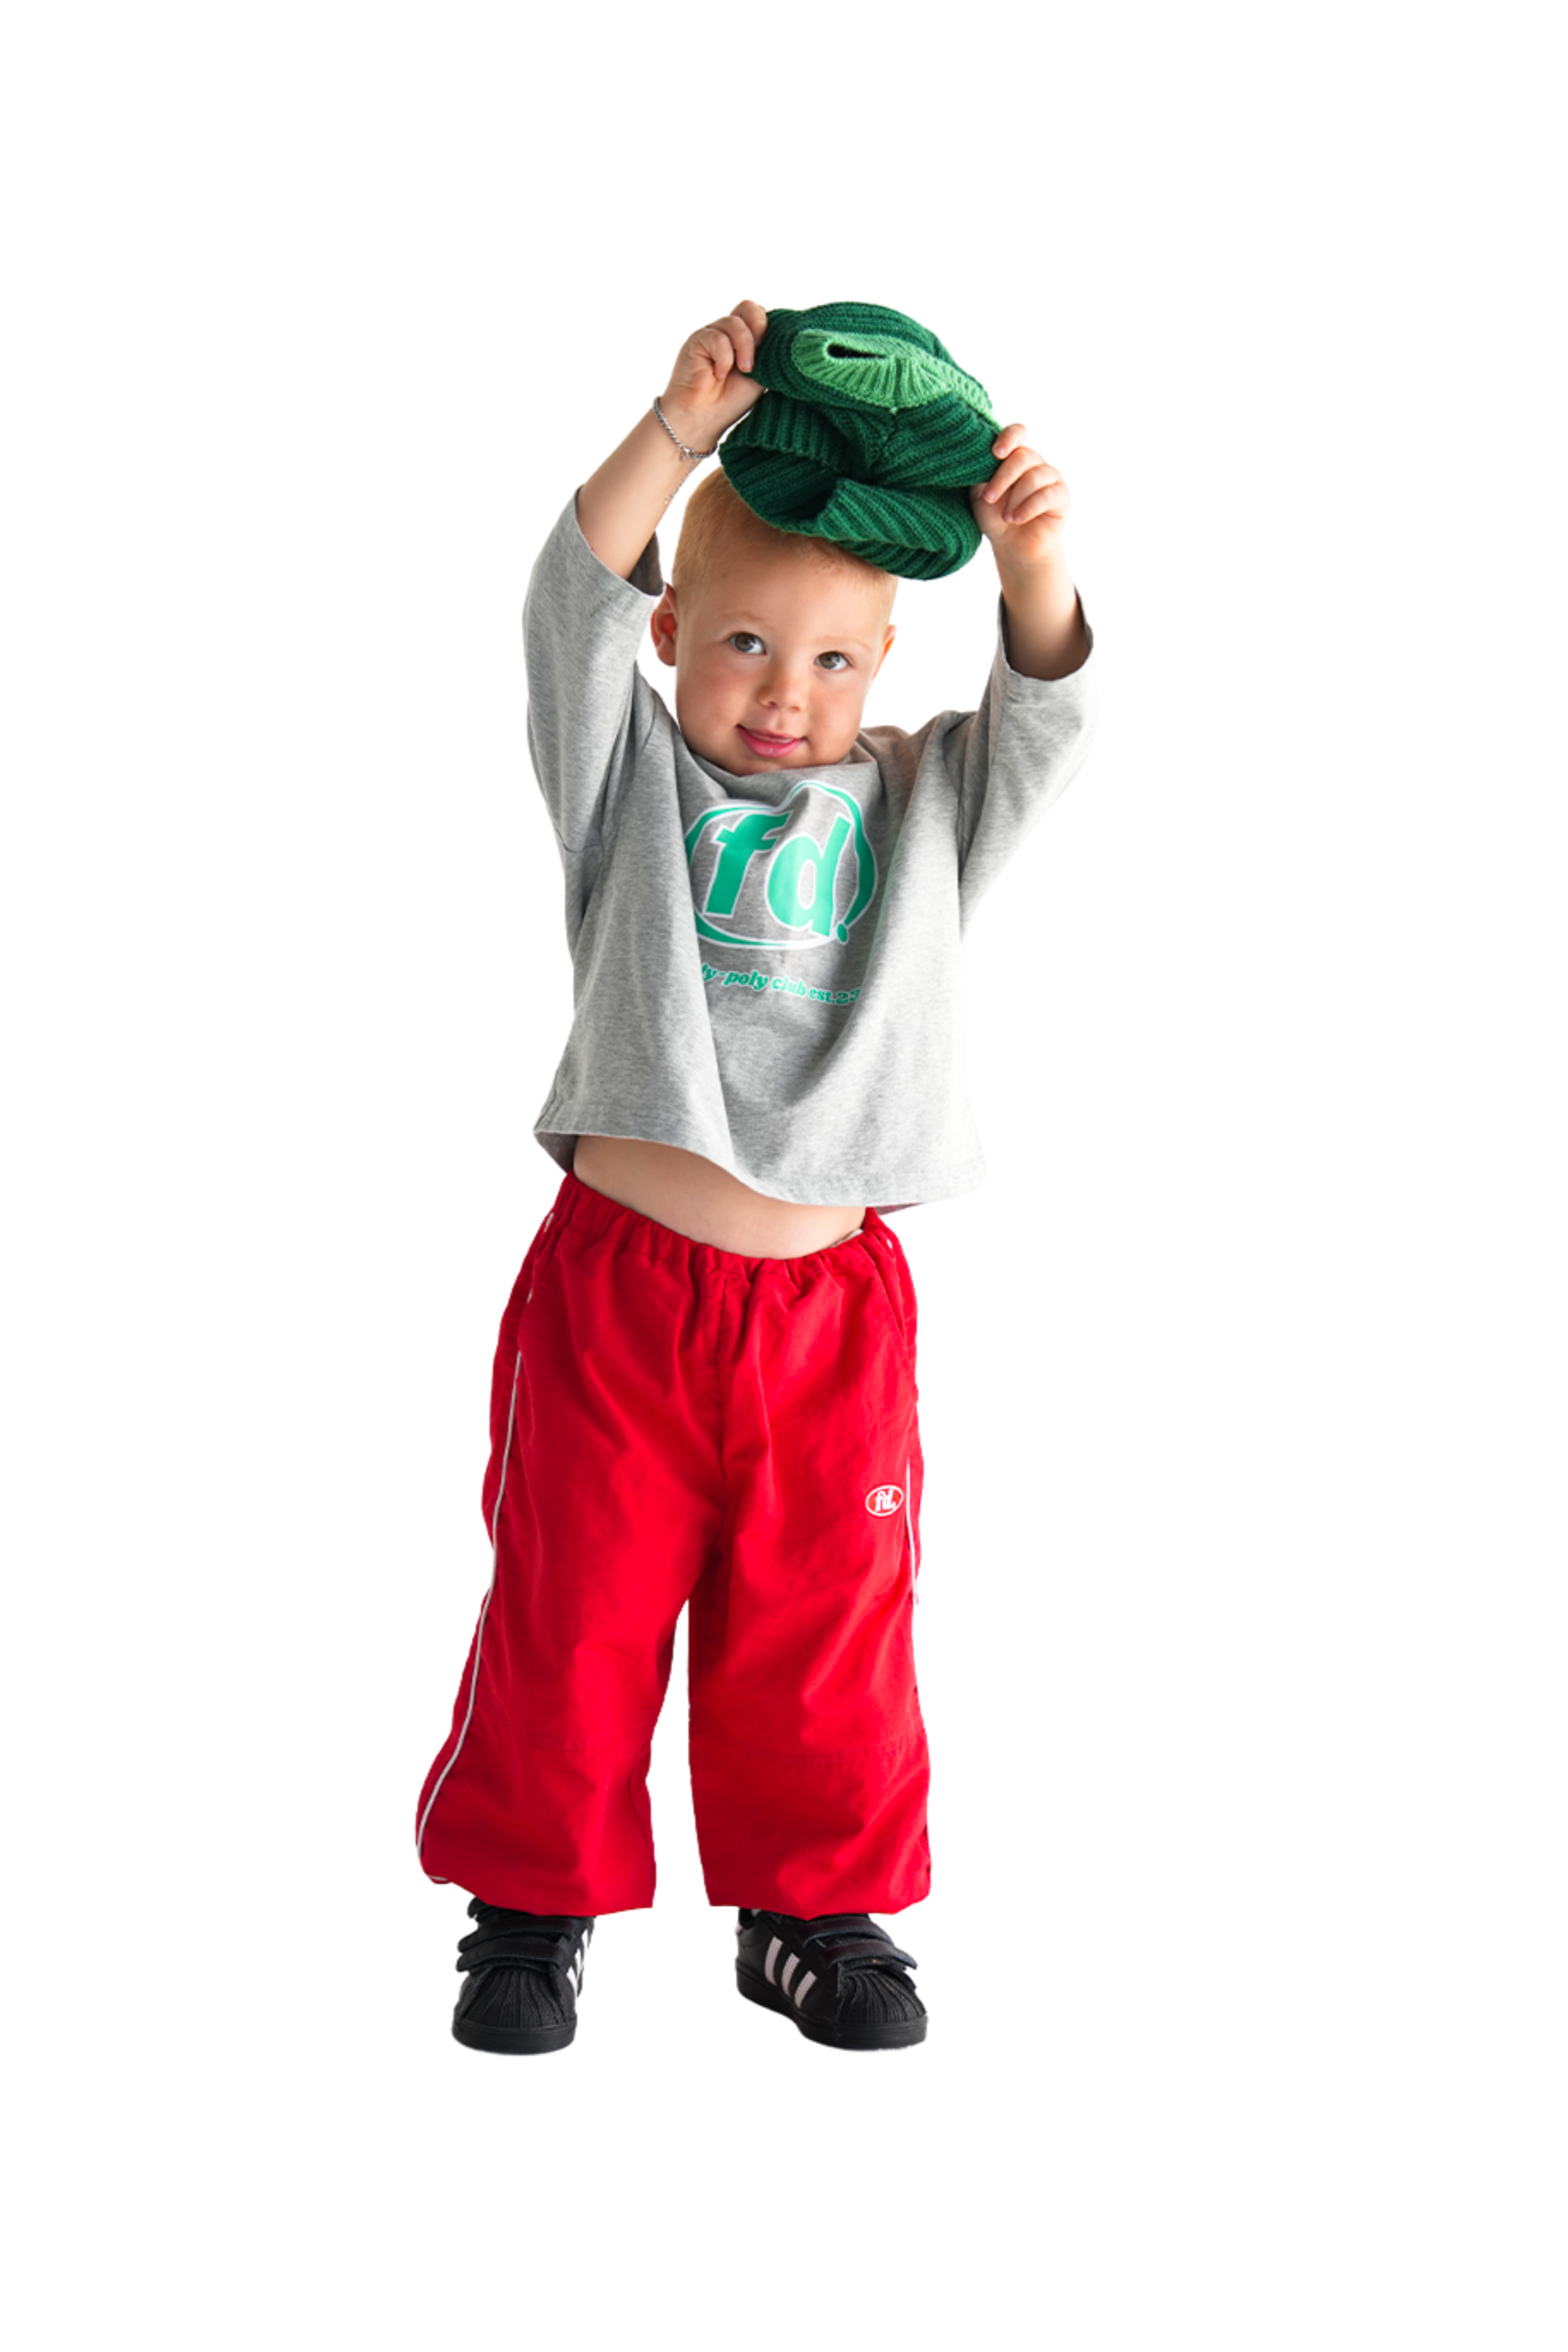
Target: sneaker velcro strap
column 865, row 1951
column 845, row 1939
column 515, row 1947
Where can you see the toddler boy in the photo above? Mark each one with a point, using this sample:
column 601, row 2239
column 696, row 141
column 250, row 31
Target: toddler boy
column 704, row 1391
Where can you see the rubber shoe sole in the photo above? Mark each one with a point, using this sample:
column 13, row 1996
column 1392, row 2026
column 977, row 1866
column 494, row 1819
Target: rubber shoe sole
column 897, row 2033
column 515, row 2041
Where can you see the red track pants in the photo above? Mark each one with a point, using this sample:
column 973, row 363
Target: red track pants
column 672, row 1422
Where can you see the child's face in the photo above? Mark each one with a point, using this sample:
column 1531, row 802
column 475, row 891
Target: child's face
column 772, row 656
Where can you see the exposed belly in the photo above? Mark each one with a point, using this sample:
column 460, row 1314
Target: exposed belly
column 695, row 1197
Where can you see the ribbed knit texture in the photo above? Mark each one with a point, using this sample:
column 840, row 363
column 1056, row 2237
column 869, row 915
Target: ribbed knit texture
column 869, row 434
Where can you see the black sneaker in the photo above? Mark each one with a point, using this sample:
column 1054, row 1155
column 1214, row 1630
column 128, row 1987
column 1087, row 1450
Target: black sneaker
column 524, row 1972
column 840, row 1976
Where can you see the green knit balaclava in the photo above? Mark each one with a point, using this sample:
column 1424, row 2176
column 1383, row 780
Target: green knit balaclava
column 867, row 434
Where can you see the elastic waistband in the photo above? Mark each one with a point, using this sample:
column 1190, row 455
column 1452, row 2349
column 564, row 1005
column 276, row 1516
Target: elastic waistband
column 577, row 1205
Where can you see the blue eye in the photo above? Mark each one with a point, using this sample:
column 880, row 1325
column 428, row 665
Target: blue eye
column 735, row 635
column 838, row 657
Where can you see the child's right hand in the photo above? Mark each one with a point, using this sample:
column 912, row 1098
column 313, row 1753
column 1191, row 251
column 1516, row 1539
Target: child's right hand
column 710, row 385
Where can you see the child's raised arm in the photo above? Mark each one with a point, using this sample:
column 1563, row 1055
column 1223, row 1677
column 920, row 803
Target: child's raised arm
column 710, row 389
column 590, row 596
column 1021, row 509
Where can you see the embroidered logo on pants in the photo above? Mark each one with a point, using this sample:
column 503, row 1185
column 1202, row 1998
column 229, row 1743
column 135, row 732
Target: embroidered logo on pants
column 883, row 1501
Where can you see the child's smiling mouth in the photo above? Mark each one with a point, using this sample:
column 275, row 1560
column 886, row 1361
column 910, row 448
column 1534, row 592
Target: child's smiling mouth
column 771, row 747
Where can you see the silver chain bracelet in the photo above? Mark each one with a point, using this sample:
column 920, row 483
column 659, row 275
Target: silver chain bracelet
column 675, row 437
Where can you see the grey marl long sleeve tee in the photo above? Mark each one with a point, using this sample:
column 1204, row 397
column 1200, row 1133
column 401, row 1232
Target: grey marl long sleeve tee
column 766, row 967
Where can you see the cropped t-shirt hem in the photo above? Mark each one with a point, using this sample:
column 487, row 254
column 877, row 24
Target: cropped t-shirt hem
column 558, row 1129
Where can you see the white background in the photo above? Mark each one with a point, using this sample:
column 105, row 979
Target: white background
column 1241, row 1378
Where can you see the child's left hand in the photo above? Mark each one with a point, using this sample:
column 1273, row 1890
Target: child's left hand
column 1021, row 508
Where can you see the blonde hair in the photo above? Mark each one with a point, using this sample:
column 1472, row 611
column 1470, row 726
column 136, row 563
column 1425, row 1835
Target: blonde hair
column 717, row 522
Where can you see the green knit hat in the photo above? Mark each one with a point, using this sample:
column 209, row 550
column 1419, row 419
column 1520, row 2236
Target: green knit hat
column 868, row 435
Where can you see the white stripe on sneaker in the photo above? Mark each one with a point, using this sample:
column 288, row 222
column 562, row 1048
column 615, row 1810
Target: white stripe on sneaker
column 775, row 1948
column 790, row 1967
column 803, row 1987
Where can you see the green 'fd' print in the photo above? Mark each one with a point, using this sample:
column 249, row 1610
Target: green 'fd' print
column 768, row 877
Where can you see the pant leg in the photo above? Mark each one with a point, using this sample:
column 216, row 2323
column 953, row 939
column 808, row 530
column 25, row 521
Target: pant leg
column 808, row 1752
column 604, row 1495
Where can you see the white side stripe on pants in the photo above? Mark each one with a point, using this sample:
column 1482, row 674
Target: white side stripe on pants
column 484, row 1612
column 909, row 1514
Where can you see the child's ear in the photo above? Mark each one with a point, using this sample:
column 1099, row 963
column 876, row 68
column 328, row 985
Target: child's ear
column 887, row 647
column 661, row 621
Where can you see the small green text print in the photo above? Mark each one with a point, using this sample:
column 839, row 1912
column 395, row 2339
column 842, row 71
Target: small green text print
column 779, row 985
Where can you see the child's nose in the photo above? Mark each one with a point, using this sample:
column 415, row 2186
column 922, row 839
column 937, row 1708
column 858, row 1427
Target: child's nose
column 784, row 688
